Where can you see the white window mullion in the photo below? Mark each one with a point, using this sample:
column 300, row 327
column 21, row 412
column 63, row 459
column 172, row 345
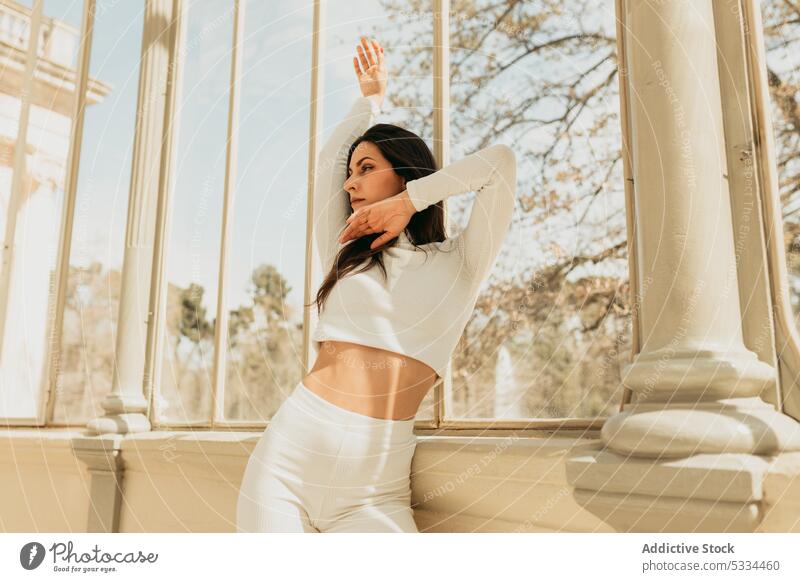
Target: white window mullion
column 68, row 214
column 231, row 155
column 441, row 151
column 166, row 187
column 627, row 172
column 315, row 121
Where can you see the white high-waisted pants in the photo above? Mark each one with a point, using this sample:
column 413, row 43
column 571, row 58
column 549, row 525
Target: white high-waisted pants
column 322, row 468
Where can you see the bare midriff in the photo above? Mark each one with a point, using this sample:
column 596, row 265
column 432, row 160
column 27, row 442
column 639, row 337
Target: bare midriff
column 370, row 381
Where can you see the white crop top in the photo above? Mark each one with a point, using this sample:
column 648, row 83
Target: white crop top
column 422, row 307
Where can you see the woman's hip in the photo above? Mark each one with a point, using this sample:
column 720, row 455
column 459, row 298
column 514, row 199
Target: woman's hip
column 307, row 430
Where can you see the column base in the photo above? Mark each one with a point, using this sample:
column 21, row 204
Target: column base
column 701, row 493
column 691, row 375
column 736, row 425
column 124, row 423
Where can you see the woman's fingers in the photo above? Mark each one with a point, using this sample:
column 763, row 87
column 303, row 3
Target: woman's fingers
column 354, row 231
column 378, row 51
column 349, row 231
column 362, row 57
column 371, row 58
column 357, row 226
column 382, row 240
column 369, row 53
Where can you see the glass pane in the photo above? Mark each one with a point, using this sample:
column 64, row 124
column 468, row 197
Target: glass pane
column 265, row 265
column 33, row 213
column 783, row 66
column 407, row 37
column 14, row 30
column 98, row 238
column 186, row 376
column 550, row 326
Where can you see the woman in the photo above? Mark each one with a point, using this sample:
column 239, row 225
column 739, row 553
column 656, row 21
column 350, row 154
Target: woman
column 337, row 454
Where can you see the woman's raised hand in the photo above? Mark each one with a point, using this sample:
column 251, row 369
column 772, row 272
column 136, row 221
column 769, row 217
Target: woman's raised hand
column 370, row 68
column 389, row 217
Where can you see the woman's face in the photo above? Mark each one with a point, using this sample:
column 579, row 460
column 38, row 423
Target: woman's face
column 370, row 177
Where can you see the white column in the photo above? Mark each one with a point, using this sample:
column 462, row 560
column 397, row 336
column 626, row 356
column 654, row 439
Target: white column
column 697, row 450
column 695, row 384
column 126, row 405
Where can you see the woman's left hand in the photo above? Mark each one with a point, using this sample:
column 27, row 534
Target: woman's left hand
column 389, row 216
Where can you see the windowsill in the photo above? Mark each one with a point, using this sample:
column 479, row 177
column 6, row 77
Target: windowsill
column 243, row 436
column 239, row 444
column 189, row 480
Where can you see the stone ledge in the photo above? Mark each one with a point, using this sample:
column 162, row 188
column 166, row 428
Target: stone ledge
column 705, row 492
column 177, row 478
column 159, row 451
column 730, row 477
column 459, row 483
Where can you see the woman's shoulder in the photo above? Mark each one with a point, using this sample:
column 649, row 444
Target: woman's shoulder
column 448, row 245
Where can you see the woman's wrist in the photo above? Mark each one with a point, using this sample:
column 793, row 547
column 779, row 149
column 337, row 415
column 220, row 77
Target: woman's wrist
column 376, row 98
column 407, row 202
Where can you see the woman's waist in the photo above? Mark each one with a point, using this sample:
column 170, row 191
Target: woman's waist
column 368, row 361
column 370, row 380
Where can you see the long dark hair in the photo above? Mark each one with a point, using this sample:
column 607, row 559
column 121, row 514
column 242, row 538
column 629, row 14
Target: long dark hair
column 411, row 158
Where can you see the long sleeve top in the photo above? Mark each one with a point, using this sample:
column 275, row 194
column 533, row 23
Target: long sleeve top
column 422, row 307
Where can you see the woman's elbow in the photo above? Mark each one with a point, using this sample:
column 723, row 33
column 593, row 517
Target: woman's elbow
column 506, row 163
column 505, row 154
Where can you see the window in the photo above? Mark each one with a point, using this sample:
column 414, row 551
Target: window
column 88, row 335
column 259, row 354
column 265, row 267
column 184, row 390
column 551, row 327
column 38, row 105
column 549, row 312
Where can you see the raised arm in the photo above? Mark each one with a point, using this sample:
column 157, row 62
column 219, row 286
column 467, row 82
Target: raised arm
column 331, row 202
column 492, row 174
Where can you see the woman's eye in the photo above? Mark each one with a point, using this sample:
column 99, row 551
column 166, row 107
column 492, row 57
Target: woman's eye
column 364, row 168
